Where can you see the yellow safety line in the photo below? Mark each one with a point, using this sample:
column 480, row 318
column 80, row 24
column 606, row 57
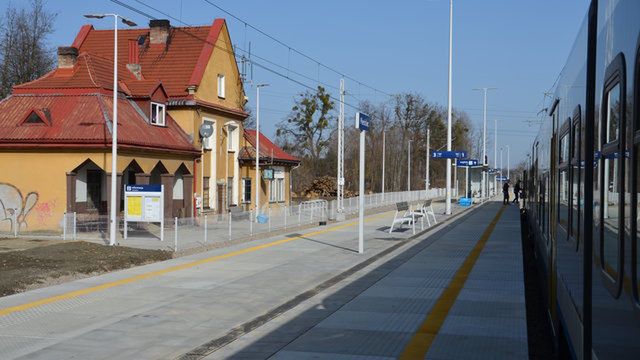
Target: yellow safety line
column 421, row 341
column 132, row 279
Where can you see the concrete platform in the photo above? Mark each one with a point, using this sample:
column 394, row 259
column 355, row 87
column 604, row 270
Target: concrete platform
column 455, row 294
column 191, row 306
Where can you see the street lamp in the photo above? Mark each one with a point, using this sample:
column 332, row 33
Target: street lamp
column 508, row 151
column 409, row 166
column 114, row 136
column 484, row 139
column 447, row 210
column 258, row 147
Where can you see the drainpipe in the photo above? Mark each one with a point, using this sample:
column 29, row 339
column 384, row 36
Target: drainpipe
column 195, row 182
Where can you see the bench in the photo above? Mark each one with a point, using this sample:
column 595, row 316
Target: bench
column 406, row 218
column 426, row 210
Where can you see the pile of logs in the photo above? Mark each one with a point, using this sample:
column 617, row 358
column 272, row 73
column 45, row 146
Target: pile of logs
column 325, row 187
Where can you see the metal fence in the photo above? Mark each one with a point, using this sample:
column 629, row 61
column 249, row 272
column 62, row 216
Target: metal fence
column 184, row 233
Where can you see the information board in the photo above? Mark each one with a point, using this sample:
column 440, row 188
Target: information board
column 144, row 203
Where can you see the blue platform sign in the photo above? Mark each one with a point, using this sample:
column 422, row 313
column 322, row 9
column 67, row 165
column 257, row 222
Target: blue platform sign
column 449, row 154
column 362, row 121
column 467, row 162
column 144, row 188
column 501, row 178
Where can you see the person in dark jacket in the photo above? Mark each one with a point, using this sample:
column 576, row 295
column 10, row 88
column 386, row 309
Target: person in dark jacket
column 516, row 191
column 505, row 192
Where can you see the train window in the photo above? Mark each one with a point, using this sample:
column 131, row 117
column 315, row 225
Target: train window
column 563, row 204
column 577, row 174
column 612, row 179
column 634, row 220
column 613, row 114
column 564, row 148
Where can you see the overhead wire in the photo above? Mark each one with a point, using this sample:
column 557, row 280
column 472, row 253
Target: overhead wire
column 255, row 63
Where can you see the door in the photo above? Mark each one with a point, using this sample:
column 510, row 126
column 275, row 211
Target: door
column 220, row 197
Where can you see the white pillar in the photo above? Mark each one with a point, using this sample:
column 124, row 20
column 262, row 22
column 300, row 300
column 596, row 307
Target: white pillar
column 409, row 167
column 448, row 190
column 426, row 175
column 384, row 142
column 508, row 166
column 340, row 180
column 361, row 197
column 495, row 153
column 114, row 141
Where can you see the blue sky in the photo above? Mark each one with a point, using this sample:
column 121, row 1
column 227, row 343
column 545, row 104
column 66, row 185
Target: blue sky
column 395, row 46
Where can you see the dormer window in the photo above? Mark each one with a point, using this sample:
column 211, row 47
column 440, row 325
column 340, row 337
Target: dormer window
column 34, row 118
column 157, row 114
column 38, row 117
column 221, row 85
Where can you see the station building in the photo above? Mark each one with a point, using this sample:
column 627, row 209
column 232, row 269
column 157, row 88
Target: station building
column 56, row 131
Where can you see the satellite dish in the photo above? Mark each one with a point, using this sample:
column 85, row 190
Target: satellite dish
column 206, row 129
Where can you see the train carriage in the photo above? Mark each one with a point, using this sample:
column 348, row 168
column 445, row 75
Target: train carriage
column 582, row 187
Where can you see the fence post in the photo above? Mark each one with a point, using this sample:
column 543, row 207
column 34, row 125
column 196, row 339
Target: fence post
column 175, row 235
column 251, row 223
column 229, row 221
column 285, row 217
column 64, row 226
column 75, row 222
column 269, row 216
column 300, row 214
column 205, row 229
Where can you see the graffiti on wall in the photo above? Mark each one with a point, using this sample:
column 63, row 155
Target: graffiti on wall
column 14, row 209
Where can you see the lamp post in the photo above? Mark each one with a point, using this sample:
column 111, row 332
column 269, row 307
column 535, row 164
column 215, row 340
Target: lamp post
column 508, row 173
column 409, row 166
column 448, row 187
column 484, row 139
column 258, row 147
column 114, row 132
column 384, row 142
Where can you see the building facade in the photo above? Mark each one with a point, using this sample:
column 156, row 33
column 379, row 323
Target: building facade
column 55, row 132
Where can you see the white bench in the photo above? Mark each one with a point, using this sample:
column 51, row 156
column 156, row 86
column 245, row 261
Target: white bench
column 406, row 216
column 426, row 210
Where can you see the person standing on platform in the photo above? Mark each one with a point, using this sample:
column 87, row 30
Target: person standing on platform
column 505, row 192
column 516, row 192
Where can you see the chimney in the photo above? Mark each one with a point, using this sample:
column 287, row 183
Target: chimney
column 67, row 57
column 159, row 31
column 134, row 59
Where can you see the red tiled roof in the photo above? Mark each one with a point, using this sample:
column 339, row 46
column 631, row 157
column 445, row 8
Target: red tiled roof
column 178, row 64
column 267, row 148
column 81, row 121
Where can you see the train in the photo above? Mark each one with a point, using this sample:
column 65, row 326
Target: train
column 581, row 202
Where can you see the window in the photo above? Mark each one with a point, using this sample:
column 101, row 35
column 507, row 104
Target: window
column 230, row 199
column 221, row 86
column 231, row 137
column 577, row 173
column 564, row 148
column 613, row 114
column 563, row 212
column 633, row 220
column 276, row 186
column 157, row 114
column 611, row 174
column 246, row 190
column 94, row 189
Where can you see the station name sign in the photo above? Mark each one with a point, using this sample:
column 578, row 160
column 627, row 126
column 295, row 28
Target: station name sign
column 362, row 121
column 467, row 162
column 143, row 188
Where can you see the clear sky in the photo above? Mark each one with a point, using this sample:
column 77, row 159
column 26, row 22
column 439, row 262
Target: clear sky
column 396, row 46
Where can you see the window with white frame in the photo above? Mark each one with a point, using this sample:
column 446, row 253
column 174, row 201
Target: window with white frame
column 221, row 85
column 232, row 131
column 157, row 114
column 246, row 190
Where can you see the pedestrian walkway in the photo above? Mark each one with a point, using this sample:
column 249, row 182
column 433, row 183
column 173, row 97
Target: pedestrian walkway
column 459, row 294
column 168, row 309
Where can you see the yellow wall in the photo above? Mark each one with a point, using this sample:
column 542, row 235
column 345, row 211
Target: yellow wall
column 44, row 173
column 223, row 62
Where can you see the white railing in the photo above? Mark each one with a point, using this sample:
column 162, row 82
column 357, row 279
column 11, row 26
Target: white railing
column 182, row 233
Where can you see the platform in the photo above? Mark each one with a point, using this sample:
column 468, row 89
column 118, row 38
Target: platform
column 294, row 297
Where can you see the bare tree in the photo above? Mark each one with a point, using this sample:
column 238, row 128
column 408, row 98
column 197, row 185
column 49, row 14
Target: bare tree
column 24, row 55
